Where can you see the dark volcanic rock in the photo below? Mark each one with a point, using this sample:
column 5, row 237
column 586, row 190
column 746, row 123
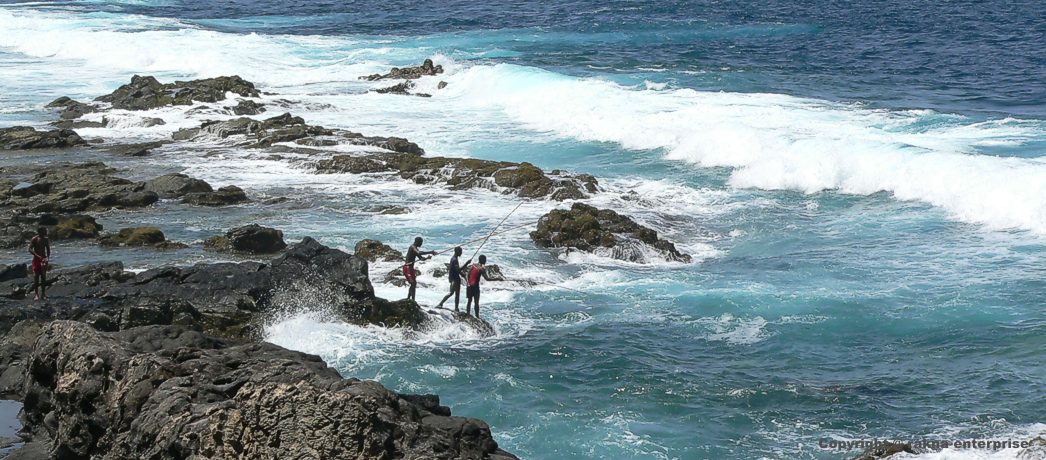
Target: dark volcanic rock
column 251, row 239
column 408, row 73
column 176, row 185
column 166, row 393
column 588, row 229
column 884, row 451
column 144, row 93
column 71, row 109
column 372, row 250
column 25, row 138
column 13, row 272
column 402, row 88
column 246, row 107
column 73, row 188
column 136, row 150
column 522, row 179
column 137, row 236
column 227, row 299
column 224, row 196
column 288, row 128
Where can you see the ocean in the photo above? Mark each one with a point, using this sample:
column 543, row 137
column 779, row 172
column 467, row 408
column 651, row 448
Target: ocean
column 862, row 186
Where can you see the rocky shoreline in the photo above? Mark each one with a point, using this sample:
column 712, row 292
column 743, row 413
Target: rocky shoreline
column 167, row 363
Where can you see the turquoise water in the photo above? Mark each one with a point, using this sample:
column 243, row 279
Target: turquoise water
column 862, row 187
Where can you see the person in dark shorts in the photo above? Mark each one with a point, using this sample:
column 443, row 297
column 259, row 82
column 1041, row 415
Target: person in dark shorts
column 40, row 248
column 454, row 275
column 476, row 272
column 414, row 252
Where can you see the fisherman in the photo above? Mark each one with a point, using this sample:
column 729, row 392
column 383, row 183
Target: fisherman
column 454, row 275
column 472, row 291
column 414, row 252
column 40, row 248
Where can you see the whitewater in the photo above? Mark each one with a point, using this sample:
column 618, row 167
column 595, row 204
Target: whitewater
column 864, row 266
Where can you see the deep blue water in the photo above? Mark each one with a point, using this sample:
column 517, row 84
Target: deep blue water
column 863, row 186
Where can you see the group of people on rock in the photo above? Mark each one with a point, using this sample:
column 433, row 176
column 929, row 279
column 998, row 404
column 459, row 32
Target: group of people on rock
column 473, row 274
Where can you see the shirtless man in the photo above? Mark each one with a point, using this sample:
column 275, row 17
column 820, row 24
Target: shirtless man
column 454, row 275
column 409, row 272
column 40, row 248
column 476, row 272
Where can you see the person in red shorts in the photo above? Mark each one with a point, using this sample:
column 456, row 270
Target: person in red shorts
column 409, row 272
column 476, row 272
column 40, row 248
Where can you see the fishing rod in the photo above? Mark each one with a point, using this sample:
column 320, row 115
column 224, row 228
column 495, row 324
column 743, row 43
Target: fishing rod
column 495, row 229
column 532, row 222
column 547, row 284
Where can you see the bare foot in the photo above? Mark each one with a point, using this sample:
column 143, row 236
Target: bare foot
column 36, row 298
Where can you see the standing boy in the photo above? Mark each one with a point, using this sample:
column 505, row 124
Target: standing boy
column 40, row 248
column 454, row 274
column 476, row 272
column 414, row 252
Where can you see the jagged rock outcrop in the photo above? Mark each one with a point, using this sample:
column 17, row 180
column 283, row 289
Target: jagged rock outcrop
column 71, row 109
column 372, row 250
column 136, row 236
column 176, row 185
column 522, row 179
column 162, row 392
column 402, row 89
column 228, row 195
column 249, row 239
column 408, row 73
column 289, row 128
column 589, row 229
column 228, row 299
column 26, row 138
column 145, row 93
column 70, row 189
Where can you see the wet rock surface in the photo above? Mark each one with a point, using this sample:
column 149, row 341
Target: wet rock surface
column 70, row 109
column 522, row 179
column 589, row 229
column 401, row 89
column 224, row 196
column 136, row 150
column 373, row 250
column 145, row 93
column 137, row 236
column 408, row 73
column 27, row 138
column 249, row 239
column 251, row 133
column 885, row 451
column 228, row 299
column 163, row 392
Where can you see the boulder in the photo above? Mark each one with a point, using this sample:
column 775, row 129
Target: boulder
column 26, row 138
column 13, row 272
column 75, row 227
column 408, row 73
column 146, row 93
column 71, row 109
column 176, row 185
column 250, row 239
column 224, row 196
column 245, row 107
column 165, row 393
column 372, row 250
column 589, row 229
column 137, row 236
